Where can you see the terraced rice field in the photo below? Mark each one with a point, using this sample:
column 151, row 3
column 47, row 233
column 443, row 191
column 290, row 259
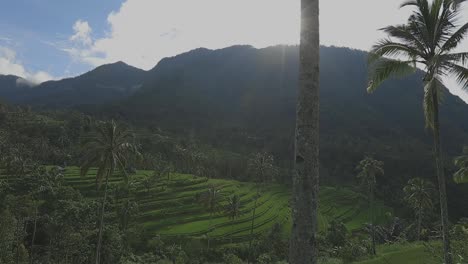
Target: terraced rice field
column 414, row 253
column 170, row 208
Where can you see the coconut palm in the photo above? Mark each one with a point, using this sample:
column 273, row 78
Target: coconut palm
column 461, row 176
column 261, row 168
column 303, row 245
column 211, row 200
column 418, row 194
column 108, row 150
column 428, row 40
column 148, row 182
column 232, row 209
column 369, row 168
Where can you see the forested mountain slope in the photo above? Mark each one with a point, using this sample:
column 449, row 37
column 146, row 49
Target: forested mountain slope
column 243, row 99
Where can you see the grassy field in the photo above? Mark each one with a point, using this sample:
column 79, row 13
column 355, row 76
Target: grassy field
column 170, row 208
column 414, row 253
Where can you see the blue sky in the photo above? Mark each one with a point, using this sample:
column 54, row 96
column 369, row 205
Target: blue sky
column 52, row 39
column 34, row 28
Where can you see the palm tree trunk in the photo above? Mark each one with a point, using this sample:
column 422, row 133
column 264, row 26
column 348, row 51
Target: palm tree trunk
column 419, row 220
column 252, row 226
column 17, row 240
column 441, row 182
column 101, row 218
column 371, row 202
column 33, row 237
column 209, row 229
column 232, row 230
column 303, row 245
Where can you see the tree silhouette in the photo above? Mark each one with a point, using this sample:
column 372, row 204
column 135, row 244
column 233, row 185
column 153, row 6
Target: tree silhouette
column 211, row 200
column 427, row 40
column 461, row 176
column 108, row 150
column 232, row 209
column 418, row 194
column 368, row 170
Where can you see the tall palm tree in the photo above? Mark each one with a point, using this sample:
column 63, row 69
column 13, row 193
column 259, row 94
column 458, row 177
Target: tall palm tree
column 427, row 40
column 461, row 176
column 369, row 168
column 211, row 200
column 232, row 209
column 418, row 194
column 108, row 150
column 262, row 169
column 303, row 245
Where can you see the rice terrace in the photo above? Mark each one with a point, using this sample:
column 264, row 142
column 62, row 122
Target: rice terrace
column 170, row 208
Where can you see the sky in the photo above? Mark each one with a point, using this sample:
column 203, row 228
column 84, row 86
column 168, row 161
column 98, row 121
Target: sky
column 52, row 39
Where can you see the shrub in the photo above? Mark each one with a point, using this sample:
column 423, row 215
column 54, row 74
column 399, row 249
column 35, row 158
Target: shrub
column 337, row 234
column 353, row 250
column 230, row 258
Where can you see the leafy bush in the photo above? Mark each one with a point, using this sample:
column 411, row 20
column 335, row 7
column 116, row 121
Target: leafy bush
column 337, row 234
column 231, row 258
column 353, row 250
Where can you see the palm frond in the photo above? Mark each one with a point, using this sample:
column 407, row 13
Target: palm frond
column 444, row 23
column 455, row 3
column 389, row 48
column 409, row 3
column 100, row 175
column 455, row 39
column 87, row 164
column 461, row 74
column 405, row 34
column 107, row 149
column 461, row 176
column 459, row 58
column 386, row 69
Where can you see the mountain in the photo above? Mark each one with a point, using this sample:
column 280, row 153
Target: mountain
column 104, row 84
column 241, row 89
column 243, row 99
column 12, row 87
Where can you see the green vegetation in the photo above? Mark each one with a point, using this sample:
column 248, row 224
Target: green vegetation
column 414, row 253
column 369, row 169
column 171, row 209
column 461, row 162
column 419, row 196
column 429, row 40
column 195, row 166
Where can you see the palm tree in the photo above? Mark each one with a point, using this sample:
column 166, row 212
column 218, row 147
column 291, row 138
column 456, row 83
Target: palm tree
column 418, row 194
column 262, row 169
column 369, row 168
column 461, row 176
column 211, row 200
column 148, row 182
column 107, row 150
column 233, row 209
column 427, row 40
column 303, row 246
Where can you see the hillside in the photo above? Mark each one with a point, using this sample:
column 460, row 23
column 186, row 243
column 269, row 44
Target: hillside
column 12, row 87
column 104, row 84
column 243, row 99
column 171, row 209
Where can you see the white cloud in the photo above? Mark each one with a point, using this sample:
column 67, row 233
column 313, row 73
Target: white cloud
column 144, row 31
column 9, row 64
column 82, row 33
